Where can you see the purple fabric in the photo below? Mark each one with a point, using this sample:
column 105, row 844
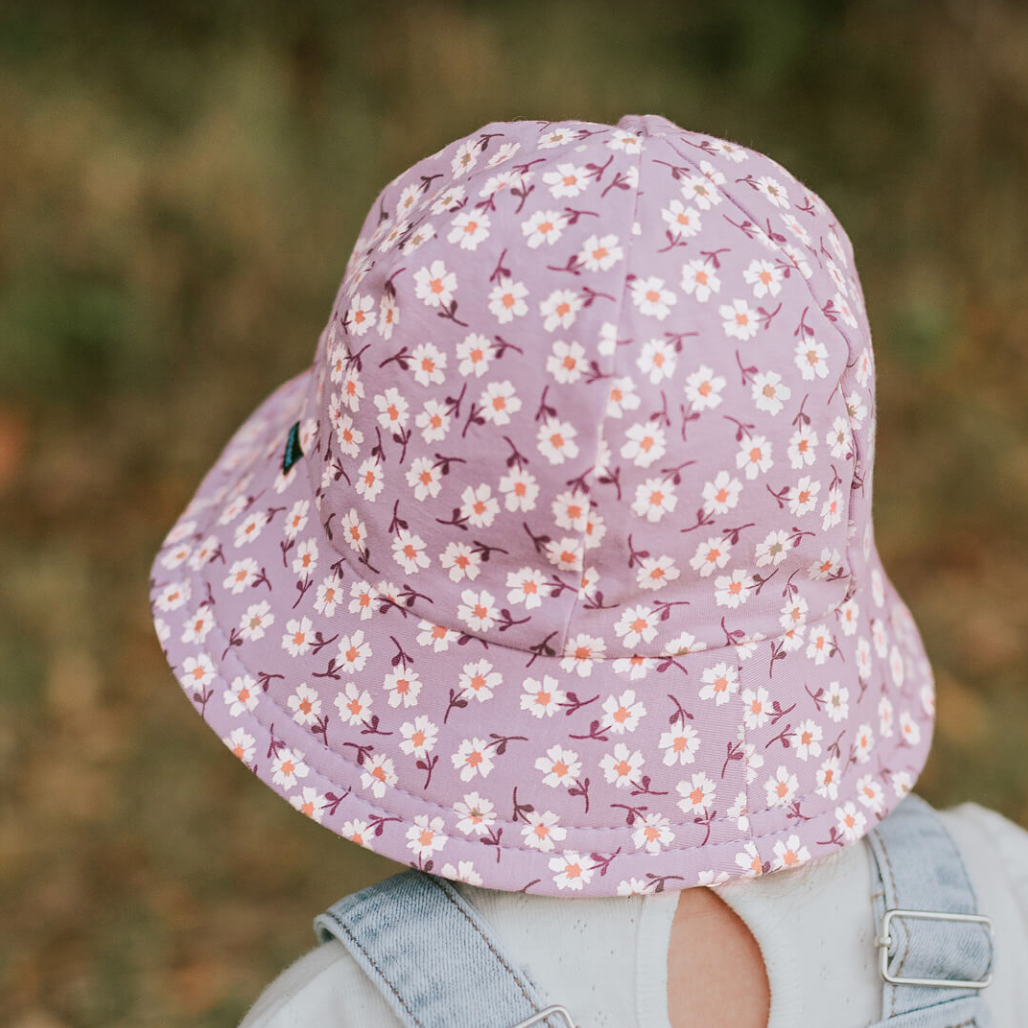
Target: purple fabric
column 575, row 588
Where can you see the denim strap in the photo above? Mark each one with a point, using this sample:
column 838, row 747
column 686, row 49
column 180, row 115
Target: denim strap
column 919, row 868
column 432, row 955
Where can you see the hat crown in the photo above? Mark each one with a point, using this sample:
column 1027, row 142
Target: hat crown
column 599, row 391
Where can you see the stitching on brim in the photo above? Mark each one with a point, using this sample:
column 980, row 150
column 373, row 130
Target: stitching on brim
column 426, row 801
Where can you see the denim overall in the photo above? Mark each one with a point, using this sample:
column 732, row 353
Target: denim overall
column 440, row 965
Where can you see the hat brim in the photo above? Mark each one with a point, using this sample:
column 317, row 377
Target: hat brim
column 353, row 775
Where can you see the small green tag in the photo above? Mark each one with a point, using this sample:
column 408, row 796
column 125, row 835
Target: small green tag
column 293, row 452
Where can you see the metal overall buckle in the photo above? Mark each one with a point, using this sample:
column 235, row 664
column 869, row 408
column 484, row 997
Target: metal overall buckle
column 543, row 1015
column 884, row 941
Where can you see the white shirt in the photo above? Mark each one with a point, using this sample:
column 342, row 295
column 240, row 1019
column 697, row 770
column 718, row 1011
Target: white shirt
column 605, row 959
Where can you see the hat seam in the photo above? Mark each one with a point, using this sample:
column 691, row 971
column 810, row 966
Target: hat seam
column 533, row 656
column 489, row 643
column 848, row 499
column 604, row 417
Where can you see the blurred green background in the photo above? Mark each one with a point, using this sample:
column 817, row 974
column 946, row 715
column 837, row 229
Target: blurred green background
column 179, row 190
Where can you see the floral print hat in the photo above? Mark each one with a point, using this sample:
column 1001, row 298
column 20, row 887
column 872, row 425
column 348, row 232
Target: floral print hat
column 555, row 571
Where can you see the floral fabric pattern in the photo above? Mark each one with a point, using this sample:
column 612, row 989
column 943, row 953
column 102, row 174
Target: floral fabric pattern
column 574, row 589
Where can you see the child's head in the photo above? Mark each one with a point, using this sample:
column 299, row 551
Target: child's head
column 556, row 570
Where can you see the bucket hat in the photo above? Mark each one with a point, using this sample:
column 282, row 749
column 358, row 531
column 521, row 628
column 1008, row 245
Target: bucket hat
column 555, row 571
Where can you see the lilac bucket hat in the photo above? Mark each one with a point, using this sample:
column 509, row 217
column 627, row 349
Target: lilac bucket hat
column 555, row 572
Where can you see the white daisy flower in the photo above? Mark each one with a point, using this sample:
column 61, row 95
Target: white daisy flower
column 468, row 229
column 700, row 280
column 651, row 298
column 543, row 227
